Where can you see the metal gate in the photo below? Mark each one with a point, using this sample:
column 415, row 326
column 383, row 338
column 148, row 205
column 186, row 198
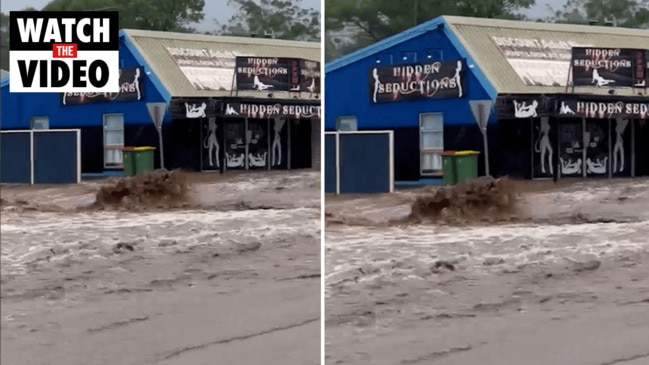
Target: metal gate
column 359, row 162
column 51, row 156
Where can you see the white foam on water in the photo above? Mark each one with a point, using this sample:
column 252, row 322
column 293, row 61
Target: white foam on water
column 377, row 248
column 54, row 237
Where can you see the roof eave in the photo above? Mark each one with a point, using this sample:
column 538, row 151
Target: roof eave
column 384, row 44
column 159, row 85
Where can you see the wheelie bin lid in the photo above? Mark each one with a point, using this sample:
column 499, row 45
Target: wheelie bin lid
column 467, row 152
column 144, row 148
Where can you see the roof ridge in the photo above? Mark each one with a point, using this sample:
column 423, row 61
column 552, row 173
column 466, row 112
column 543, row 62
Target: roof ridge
column 535, row 25
column 218, row 38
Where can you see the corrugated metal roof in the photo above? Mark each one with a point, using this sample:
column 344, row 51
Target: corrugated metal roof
column 477, row 35
column 153, row 46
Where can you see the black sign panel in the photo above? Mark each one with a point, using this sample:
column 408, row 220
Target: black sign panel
column 253, row 110
column 264, row 73
column 194, row 108
column 310, row 77
column 604, row 109
column 608, row 67
column 525, row 106
column 131, row 81
column 434, row 80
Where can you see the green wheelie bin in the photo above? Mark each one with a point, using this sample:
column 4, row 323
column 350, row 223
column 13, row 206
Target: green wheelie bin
column 143, row 159
column 449, row 168
column 128, row 161
column 466, row 165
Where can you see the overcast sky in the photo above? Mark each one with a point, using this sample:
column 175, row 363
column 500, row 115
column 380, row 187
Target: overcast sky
column 213, row 9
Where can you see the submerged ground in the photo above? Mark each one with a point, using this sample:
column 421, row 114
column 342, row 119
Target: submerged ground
column 565, row 280
column 231, row 278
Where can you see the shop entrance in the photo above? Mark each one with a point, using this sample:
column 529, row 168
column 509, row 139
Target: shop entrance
column 245, row 144
column 595, row 147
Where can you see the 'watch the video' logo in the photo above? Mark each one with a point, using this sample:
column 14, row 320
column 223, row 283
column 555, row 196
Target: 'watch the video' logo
column 64, row 52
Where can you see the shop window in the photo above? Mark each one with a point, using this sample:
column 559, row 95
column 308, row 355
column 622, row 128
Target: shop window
column 113, row 140
column 349, row 123
column 40, row 123
column 431, row 131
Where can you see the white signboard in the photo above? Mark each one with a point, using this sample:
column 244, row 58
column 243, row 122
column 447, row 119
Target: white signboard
column 538, row 62
column 206, row 69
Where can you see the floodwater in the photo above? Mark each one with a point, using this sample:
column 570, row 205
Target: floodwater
column 233, row 280
column 569, row 284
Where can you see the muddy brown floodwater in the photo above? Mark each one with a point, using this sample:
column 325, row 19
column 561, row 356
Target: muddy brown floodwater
column 186, row 269
column 542, row 274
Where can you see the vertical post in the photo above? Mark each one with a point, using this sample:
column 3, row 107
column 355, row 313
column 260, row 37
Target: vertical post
column 570, row 74
column 288, row 143
column 245, row 134
column 555, row 154
column 162, row 154
column 585, row 140
column 485, row 141
column 224, row 160
column 632, row 121
column 31, row 158
column 268, row 146
column 200, row 143
column 159, row 128
column 338, row 162
column 532, row 174
column 234, row 78
column 78, row 133
column 610, row 150
column 391, row 156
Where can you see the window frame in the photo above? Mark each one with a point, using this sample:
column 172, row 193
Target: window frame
column 429, row 150
column 31, row 122
column 107, row 146
column 343, row 117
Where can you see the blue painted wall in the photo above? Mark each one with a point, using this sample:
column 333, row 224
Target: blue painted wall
column 364, row 163
column 19, row 108
column 347, row 94
column 330, row 163
column 347, row 91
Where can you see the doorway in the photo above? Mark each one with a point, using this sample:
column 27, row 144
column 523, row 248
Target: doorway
column 585, row 147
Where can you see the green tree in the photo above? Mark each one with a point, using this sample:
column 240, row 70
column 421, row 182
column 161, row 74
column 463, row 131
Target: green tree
column 164, row 15
column 283, row 19
column 378, row 19
column 4, row 39
column 623, row 13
